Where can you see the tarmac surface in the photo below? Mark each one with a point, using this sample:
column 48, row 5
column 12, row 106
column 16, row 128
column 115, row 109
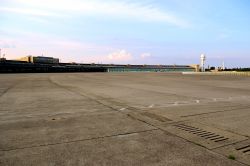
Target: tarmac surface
column 124, row 119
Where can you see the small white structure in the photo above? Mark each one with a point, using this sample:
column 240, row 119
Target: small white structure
column 223, row 66
column 203, row 59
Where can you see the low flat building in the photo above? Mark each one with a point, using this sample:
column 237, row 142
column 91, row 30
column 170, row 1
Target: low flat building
column 40, row 59
column 150, row 68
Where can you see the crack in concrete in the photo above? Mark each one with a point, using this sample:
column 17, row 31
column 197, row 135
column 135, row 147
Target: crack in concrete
column 6, row 90
column 80, row 140
column 235, row 109
column 68, row 88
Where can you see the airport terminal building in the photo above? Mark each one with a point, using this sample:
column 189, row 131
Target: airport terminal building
column 50, row 64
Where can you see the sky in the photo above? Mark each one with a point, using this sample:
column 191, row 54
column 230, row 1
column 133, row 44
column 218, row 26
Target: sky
column 128, row 31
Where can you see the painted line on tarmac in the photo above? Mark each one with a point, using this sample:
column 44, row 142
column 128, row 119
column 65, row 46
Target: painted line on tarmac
column 151, row 106
column 122, row 109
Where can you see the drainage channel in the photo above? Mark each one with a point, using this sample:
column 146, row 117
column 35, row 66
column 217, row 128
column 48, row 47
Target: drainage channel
column 244, row 149
column 204, row 135
column 240, row 151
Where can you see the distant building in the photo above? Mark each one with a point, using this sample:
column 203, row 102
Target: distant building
column 50, row 64
column 151, row 68
column 196, row 67
column 2, row 59
column 40, row 59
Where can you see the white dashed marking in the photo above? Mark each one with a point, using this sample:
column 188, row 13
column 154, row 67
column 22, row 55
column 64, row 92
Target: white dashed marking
column 151, row 106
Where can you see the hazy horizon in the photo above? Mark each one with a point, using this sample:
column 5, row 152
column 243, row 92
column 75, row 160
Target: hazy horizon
column 128, row 31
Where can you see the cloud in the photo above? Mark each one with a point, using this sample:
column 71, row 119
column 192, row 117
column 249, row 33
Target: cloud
column 28, row 11
column 114, row 9
column 120, row 56
column 21, row 43
column 145, row 55
column 7, row 44
column 11, row 37
column 223, row 36
column 78, row 45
